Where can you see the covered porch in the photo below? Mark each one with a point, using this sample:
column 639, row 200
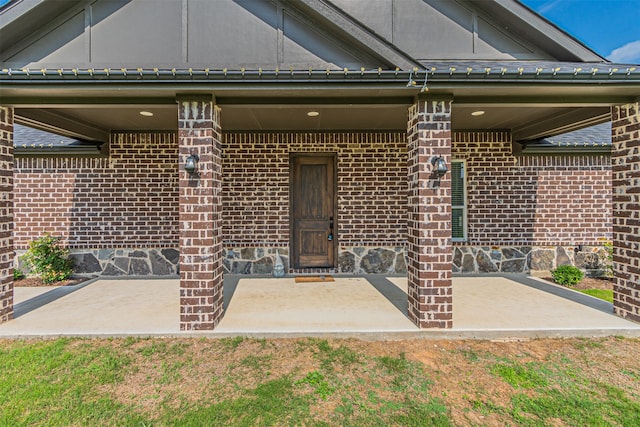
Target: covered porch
column 367, row 307
column 214, row 94
column 426, row 200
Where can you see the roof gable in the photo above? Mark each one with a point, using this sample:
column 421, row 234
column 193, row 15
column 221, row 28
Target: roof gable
column 225, row 33
column 431, row 30
column 297, row 34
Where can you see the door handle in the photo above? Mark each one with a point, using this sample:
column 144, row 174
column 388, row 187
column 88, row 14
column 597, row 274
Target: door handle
column 330, row 236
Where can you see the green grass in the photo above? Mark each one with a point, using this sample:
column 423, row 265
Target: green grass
column 143, row 382
column 603, row 294
column 46, row 383
column 526, row 376
column 557, row 391
column 271, row 403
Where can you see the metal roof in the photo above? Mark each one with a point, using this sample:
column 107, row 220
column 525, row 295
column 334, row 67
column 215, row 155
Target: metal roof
column 529, row 71
column 593, row 139
column 30, row 141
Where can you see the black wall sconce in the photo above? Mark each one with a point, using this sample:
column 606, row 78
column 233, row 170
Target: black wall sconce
column 191, row 164
column 439, row 166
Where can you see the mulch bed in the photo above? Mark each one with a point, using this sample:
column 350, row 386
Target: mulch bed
column 32, row 282
column 591, row 283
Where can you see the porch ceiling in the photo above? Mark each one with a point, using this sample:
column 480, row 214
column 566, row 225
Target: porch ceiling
column 372, row 101
column 96, row 121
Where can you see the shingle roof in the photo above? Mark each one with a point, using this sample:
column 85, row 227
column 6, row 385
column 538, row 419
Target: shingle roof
column 28, row 140
column 593, row 135
column 591, row 139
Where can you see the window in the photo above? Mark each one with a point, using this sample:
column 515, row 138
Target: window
column 458, row 201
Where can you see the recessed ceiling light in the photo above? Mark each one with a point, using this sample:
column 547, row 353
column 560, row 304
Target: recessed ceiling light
column 313, row 114
column 477, row 113
column 146, row 113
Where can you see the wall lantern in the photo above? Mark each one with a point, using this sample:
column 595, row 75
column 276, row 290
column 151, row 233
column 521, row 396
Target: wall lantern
column 439, row 166
column 191, row 165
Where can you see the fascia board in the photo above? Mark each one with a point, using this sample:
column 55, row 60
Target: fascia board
column 547, row 31
column 353, row 29
column 13, row 11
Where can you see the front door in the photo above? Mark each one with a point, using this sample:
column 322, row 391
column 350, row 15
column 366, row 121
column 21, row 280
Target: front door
column 313, row 237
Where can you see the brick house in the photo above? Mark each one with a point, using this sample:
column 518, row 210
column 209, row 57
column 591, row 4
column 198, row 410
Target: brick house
column 237, row 132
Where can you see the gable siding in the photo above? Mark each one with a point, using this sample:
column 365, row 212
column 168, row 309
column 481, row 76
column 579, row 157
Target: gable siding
column 259, row 34
column 441, row 29
column 195, row 33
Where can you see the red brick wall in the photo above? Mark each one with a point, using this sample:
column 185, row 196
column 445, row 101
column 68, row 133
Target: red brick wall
column 201, row 301
column 6, row 214
column 626, row 201
column 429, row 257
column 533, row 200
column 372, row 186
column 130, row 199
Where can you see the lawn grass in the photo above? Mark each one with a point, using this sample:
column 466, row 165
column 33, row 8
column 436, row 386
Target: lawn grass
column 240, row 381
column 603, row 294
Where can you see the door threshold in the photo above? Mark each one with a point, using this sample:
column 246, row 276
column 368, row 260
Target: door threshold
column 313, row 271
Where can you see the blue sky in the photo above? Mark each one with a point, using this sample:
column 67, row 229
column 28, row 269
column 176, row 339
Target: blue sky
column 610, row 27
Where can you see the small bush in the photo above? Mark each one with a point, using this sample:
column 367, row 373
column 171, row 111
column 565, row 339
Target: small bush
column 48, row 259
column 18, row 274
column 567, row 275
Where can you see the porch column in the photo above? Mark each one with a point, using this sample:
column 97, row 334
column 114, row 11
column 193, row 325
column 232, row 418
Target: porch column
column 6, row 214
column 201, row 265
column 625, row 156
column 429, row 225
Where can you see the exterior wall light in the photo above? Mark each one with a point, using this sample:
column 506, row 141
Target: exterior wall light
column 191, row 165
column 439, row 166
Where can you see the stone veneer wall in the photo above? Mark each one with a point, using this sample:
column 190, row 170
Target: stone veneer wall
column 524, row 259
column 351, row 260
column 120, row 262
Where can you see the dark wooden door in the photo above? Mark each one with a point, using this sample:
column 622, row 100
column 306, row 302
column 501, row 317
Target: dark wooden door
column 313, row 237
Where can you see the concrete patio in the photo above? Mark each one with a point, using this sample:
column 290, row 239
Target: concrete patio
column 371, row 307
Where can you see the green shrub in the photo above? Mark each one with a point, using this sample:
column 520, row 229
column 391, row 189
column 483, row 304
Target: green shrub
column 48, row 259
column 567, row 275
column 18, row 274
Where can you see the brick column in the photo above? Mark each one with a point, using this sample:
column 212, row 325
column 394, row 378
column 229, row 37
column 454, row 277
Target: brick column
column 6, row 214
column 201, row 265
column 429, row 224
column 625, row 156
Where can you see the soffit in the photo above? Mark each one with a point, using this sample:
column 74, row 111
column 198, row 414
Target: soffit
column 533, row 100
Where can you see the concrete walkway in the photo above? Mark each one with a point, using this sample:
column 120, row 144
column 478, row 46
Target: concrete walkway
column 371, row 307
